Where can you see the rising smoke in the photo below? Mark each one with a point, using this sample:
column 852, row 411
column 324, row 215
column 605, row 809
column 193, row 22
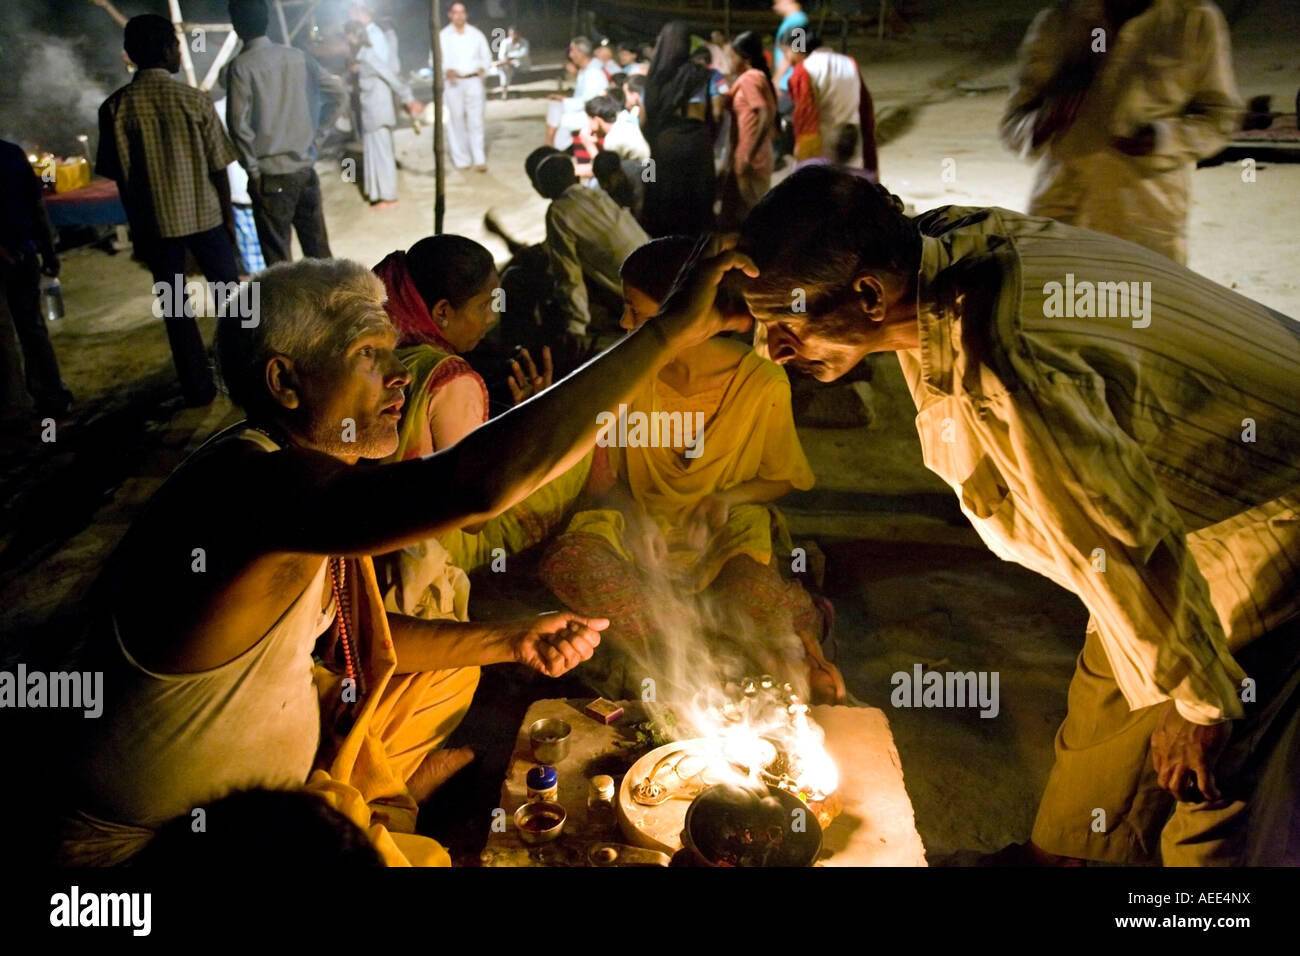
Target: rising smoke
column 701, row 646
column 60, row 59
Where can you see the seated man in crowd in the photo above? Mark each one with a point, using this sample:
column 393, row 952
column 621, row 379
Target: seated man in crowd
column 254, row 558
column 618, row 130
column 604, row 54
column 633, row 95
column 630, row 61
column 512, row 55
column 588, row 235
column 564, row 115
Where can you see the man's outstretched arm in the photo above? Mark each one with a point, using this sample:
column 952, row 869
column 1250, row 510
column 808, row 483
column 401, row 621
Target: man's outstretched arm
column 312, row 503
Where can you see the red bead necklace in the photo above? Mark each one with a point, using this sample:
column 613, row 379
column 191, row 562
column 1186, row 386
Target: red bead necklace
column 338, row 580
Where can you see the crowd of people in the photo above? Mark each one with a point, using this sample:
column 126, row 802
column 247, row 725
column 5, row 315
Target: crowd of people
column 705, row 122
column 331, row 642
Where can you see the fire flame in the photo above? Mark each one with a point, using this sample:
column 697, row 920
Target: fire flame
column 757, row 732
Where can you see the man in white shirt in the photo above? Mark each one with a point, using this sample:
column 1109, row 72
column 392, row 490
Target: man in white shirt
column 512, row 54
column 827, row 90
column 465, row 59
column 565, row 114
column 604, row 52
column 621, row 132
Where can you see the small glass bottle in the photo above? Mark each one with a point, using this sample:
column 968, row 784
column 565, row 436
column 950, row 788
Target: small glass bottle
column 543, row 784
column 600, row 801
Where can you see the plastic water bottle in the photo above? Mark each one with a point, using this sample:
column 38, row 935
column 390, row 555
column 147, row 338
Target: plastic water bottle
column 52, row 298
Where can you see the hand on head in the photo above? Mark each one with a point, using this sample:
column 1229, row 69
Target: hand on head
column 691, row 312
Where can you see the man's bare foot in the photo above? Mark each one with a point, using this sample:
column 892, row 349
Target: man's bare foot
column 481, row 169
column 436, row 769
column 384, row 204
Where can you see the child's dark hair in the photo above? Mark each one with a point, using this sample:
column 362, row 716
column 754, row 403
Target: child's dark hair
column 653, row 268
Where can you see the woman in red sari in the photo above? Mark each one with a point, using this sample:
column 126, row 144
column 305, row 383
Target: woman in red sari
column 753, row 108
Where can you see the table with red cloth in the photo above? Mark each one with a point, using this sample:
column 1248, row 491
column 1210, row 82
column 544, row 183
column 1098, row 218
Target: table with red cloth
column 97, row 204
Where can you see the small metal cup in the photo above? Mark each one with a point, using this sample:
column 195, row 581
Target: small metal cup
column 540, row 822
column 550, row 740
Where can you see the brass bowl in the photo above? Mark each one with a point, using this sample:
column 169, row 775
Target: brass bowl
column 540, row 822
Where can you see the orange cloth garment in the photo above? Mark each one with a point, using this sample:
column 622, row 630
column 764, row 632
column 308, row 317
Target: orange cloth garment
column 398, row 720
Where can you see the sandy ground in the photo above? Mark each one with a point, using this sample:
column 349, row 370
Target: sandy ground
column 910, row 580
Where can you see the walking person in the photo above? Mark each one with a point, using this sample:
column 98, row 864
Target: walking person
column 163, row 143
column 24, row 233
column 1118, row 130
column 834, row 119
column 280, row 106
column 466, row 59
column 377, row 83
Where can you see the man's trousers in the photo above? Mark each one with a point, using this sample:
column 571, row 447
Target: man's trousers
column 285, row 202
column 465, row 98
column 28, row 365
column 214, row 251
column 1102, row 801
column 380, row 164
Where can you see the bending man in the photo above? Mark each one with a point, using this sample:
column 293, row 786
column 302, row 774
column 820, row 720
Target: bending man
column 1143, row 422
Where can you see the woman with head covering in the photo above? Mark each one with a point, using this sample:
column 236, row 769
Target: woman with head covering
column 680, row 126
column 691, row 517
column 443, row 297
column 753, row 109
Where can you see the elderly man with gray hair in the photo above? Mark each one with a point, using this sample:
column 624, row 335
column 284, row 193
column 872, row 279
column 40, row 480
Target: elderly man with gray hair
column 239, row 624
column 567, row 115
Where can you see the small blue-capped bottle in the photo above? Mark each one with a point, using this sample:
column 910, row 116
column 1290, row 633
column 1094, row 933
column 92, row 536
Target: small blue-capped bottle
column 543, row 784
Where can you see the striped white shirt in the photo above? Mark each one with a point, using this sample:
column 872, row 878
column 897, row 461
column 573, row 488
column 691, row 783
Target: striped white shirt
column 1148, row 461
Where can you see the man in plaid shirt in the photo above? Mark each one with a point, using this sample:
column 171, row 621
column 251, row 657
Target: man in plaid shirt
column 164, row 145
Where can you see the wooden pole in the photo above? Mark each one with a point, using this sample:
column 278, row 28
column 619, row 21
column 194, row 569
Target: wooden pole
column 284, row 26
column 726, row 18
column 223, row 56
column 187, row 62
column 439, row 181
